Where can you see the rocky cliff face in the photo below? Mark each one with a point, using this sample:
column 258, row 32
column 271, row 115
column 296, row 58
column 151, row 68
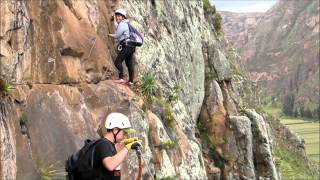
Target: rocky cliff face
column 240, row 27
column 280, row 50
column 58, row 59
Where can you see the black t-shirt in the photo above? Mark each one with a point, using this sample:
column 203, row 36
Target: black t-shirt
column 105, row 149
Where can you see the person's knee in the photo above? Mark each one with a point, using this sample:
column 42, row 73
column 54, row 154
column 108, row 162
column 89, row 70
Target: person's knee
column 116, row 63
column 118, row 60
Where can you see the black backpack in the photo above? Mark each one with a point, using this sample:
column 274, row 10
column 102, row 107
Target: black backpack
column 80, row 165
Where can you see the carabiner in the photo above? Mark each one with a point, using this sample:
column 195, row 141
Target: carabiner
column 119, row 47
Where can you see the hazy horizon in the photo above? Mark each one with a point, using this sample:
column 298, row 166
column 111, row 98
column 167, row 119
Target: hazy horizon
column 243, row 5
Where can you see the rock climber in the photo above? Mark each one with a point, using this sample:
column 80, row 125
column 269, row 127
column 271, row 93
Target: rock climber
column 125, row 50
column 112, row 151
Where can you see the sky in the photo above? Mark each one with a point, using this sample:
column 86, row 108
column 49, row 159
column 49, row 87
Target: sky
column 243, row 5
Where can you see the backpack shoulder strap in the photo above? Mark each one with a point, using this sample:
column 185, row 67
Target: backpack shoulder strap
column 130, row 26
column 98, row 141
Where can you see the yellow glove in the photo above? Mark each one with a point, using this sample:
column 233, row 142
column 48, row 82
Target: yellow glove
column 133, row 145
column 130, row 140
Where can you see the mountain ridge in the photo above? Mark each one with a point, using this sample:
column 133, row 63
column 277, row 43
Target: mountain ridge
column 279, row 49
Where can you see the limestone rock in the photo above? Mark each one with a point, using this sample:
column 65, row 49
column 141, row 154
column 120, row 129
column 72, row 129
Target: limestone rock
column 241, row 126
column 262, row 146
column 62, row 58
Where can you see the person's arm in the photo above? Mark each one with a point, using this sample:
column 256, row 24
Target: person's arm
column 112, row 162
column 122, row 27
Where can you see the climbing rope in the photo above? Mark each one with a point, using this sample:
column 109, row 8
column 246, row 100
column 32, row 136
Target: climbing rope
column 143, row 158
column 139, row 151
column 93, row 43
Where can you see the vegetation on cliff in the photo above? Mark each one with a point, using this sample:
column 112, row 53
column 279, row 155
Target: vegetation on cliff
column 296, row 145
column 4, row 86
column 210, row 10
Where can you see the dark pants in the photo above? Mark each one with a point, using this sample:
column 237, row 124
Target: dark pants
column 126, row 55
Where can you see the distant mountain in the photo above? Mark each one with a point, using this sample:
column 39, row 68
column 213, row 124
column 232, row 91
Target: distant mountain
column 280, row 49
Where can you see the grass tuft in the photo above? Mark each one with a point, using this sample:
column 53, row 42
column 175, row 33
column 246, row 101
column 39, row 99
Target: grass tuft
column 308, row 129
column 49, row 171
column 290, row 165
column 148, row 89
column 4, row 86
column 168, row 115
column 169, row 144
column 148, row 85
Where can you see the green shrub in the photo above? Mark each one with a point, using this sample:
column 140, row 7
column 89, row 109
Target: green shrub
column 316, row 113
column 168, row 116
column 208, row 8
column 205, row 141
column 259, row 109
column 148, row 85
column 4, row 86
column 307, row 113
column 148, row 88
column 145, row 107
column 175, row 95
column 23, row 119
column 211, row 10
column 288, row 104
column 23, row 123
column 217, row 22
column 237, row 70
column 169, row 144
column 212, row 75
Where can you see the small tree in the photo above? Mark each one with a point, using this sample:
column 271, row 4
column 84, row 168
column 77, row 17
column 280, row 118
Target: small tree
column 217, row 22
column 288, row 104
column 308, row 113
column 208, row 8
column 316, row 113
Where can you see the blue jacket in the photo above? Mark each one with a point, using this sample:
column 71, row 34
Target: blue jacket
column 122, row 31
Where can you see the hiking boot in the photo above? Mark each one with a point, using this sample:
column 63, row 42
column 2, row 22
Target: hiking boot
column 130, row 83
column 121, row 81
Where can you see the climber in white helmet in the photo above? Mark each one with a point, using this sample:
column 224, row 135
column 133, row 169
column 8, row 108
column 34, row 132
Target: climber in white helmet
column 125, row 50
column 107, row 157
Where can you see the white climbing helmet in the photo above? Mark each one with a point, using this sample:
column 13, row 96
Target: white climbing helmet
column 121, row 12
column 118, row 120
